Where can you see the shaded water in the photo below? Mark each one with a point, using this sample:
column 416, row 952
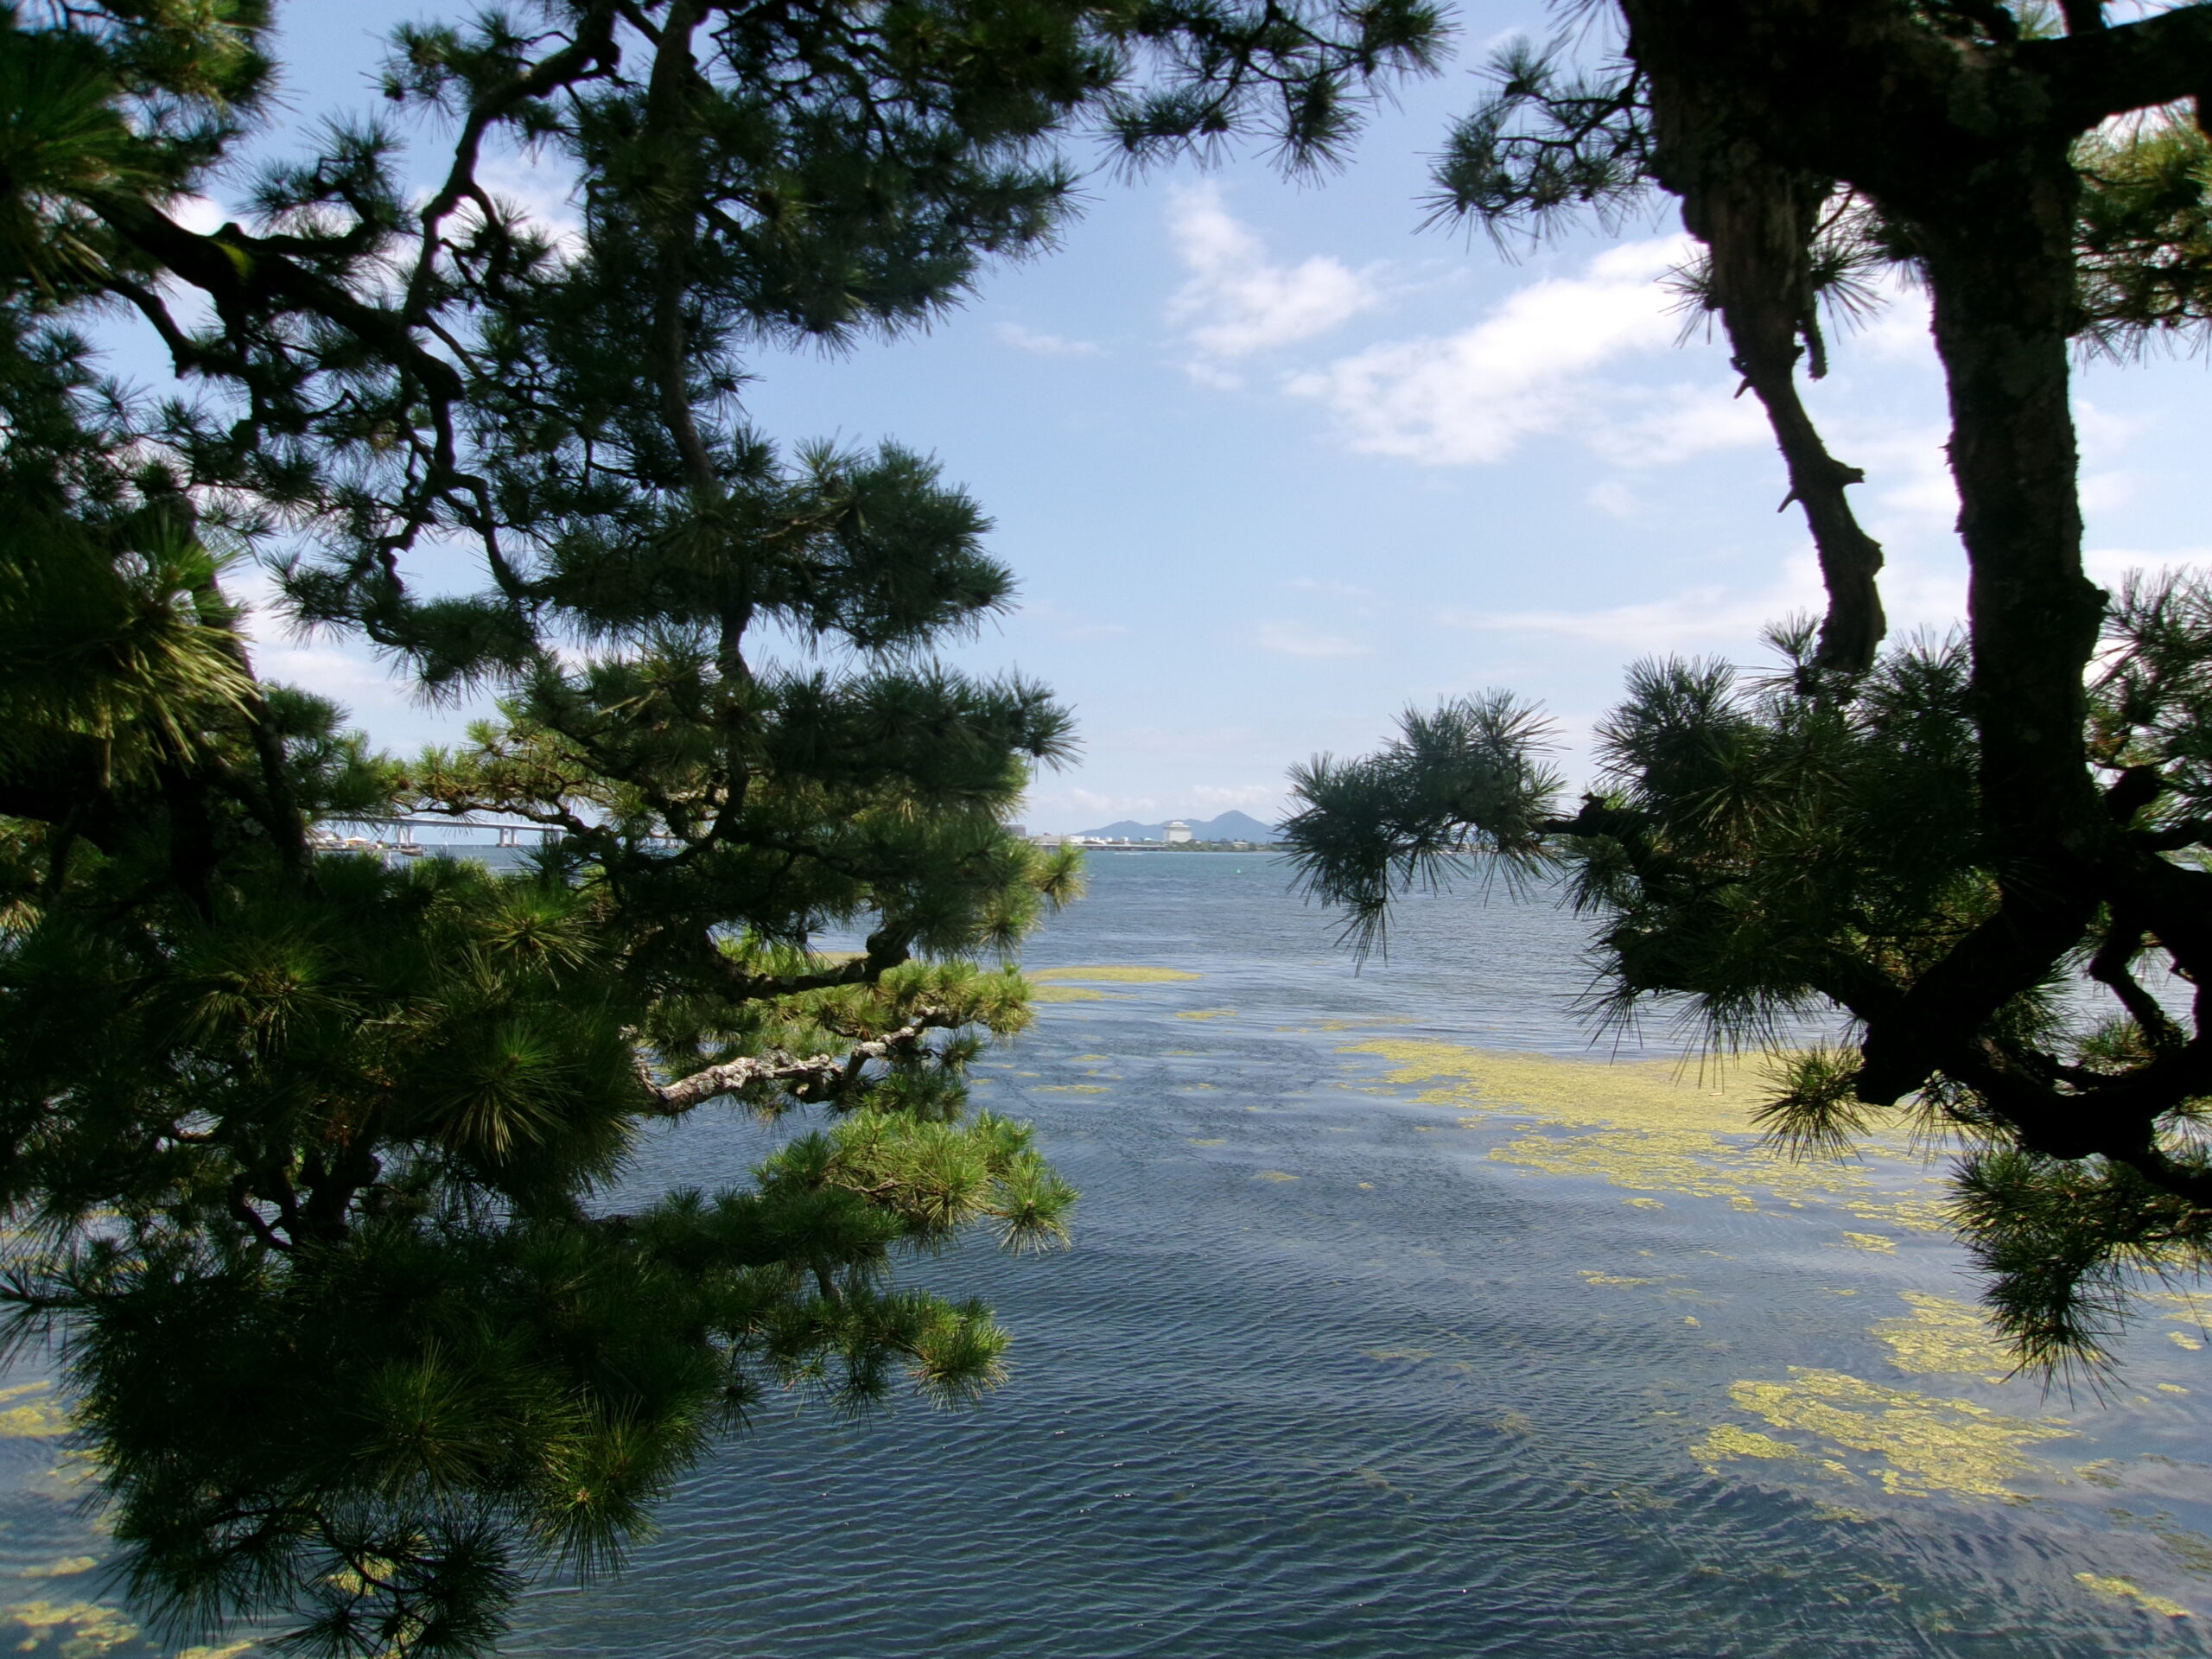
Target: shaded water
column 1399, row 1322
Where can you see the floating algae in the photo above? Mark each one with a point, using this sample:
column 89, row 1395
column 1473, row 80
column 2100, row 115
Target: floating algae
column 69, row 1566
column 1873, row 1242
column 1112, row 975
column 2171, row 1387
column 1928, row 1446
column 1944, row 1337
column 1592, row 1278
column 1920, row 1215
column 2121, row 1590
column 1071, row 1089
column 1274, row 1175
column 2181, row 1341
column 1644, row 1203
column 86, row 1629
column 1647, row 1126
column 41, row 1419
column 2179, row 1305
column 2191, row 1551
column 1065, row 994
column 1727, row 1440
column 1215, row 1141
column 1207, row 1013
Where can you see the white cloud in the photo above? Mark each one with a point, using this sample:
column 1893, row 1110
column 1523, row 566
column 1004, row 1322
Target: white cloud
column 543, row 193
column 1296, row 640
column 1043, row 344
column 1710, row 615
column 1898, row 331
column 1658, row 428
column 2109, row 566
column 1530, row 368
column 1923, row 588
column 1908, row 490
column 1237, row 301
column 202, row 215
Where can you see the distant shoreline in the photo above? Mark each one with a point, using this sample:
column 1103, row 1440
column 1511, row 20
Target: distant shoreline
column 1083, row 846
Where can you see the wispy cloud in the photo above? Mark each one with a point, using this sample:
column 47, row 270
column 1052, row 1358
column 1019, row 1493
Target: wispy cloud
column 1237, row 301
column 1068, row 622
column 2110, row 566
column 1296, row 640
column 545, row 192
column 1695, row 618
column 1530, row 367
column 1043, row 344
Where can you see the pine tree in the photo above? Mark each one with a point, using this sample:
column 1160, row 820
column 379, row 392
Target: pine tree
column 1934, row 840
column 306, row 1157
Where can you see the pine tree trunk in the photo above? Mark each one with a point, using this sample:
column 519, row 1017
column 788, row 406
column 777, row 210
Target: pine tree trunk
column 2002, row 275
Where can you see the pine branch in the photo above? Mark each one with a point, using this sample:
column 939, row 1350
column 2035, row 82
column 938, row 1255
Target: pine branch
column 781, row 1068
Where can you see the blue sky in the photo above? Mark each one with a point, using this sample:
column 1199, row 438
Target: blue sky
column 1271, row 462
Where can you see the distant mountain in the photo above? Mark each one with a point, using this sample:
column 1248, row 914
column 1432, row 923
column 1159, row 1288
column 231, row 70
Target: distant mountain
column 1229, row 826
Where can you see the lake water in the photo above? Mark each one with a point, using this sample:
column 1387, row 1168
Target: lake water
column 1399, row 1321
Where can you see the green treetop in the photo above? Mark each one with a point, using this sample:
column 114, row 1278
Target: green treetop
column 305, row 1158
column 1938, row 840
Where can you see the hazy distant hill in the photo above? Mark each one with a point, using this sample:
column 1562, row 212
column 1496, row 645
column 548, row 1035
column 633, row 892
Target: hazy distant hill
column 1229, row 826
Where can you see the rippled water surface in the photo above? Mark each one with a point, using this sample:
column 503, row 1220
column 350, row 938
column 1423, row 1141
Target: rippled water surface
column 1399, row 1321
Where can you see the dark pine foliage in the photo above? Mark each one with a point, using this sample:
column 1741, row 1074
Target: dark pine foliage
column 307, row 1161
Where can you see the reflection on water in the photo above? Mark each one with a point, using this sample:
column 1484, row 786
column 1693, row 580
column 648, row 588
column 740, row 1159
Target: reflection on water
column 1399, row 1321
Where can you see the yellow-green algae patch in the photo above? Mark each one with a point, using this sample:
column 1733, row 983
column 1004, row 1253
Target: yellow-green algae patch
column 1214, row 1141
column 1644, row 1203
column 2121, row 1590
column 1071, row 1089
column 2181, row 1341
column 1927, row 1445
column 231, row 1652
column 41, row 1419
column 1919, row 1215
column 1275, row 1175
column 1207, row 1013
column 1113, row 975
column 1725, row 1441
column 2191, row 1551
column 1065, row 994
column 68, row 1567
column 1590, row 1277
column 1650, row 1126
column 86, row 1629
column 1873, row 1242
column 1942, row 1338
column 2179, row 1305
